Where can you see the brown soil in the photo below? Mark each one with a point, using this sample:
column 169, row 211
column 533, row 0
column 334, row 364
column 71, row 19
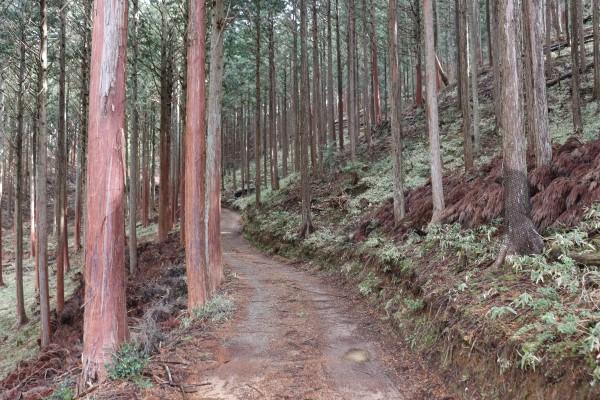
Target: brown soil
column 298, row 334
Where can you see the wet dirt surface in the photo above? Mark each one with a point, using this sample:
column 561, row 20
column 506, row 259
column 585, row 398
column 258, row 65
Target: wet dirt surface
column 294, row 336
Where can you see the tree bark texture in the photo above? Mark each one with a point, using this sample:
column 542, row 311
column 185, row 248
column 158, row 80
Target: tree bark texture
column 105, row 317
column 213, row 154
column 522, row 235
column 576, row 79
column 133, row 153
column 195, row 174
column 463, row 81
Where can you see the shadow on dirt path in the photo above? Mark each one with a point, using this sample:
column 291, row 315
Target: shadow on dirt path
column 296, row 337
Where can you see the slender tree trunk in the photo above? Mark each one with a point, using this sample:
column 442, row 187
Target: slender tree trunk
column 596, row 23
column 575, row 67
column 473, row 38
column 374, row 49
column 272, row 109
column 464, row 83
column 2, row 166
column 522, row 235
column 307, row 225
column 432, row 114
column 497, row 66
column 330, row 94
column 195, row 174
column 283, row 129
column 340, row 79
column 396, row 111
column 257, row 113
column 581, row 39
column 166, row 97
column 535, row 83
column 183, row 108
column 295, row 96
column 41, row 195
column 82, row 137
column 317, row 126
column 419, row 56
column 215, row 95
column 366, row 76
column 105, row 317
column 133, row 153
column 61, row 166
column 18, row 217
column 351, row 91
column 548, row 10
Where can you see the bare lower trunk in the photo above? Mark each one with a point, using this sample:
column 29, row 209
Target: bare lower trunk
column 596, row 22
column 41, row 195
column 307, row 225
column 575, row 81
column 215, row 95
column 195, row 174
column 105, row 317
column 432, row 114
column 522, row 236
column 133, row 153
column 396, row 112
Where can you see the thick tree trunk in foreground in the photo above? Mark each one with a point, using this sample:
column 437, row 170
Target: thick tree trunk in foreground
column 396, row 111
column 133, row 153
column 307, row 225
column 215, row 96
column 535, row 83
column 522, row 235
column 105, row 317
column 195, row 174
column 432, row 114
column 40, row 189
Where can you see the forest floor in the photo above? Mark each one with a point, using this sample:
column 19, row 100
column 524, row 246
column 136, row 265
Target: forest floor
column 286, row 331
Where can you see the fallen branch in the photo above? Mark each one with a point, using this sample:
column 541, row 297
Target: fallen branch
column 564, row 75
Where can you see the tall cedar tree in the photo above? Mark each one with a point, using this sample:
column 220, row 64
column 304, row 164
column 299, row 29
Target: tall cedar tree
column 215, row 96
column 463, row 83
column 195, row 173
column 575, row 67
column 432, row 113
column 351, row 89
column 18, row 218
column 307, row 225
column 522, row 235
column 61, row 167
column 41, row 173
column 2, row 169
column 257, row 112
column 396, row 111
column 596, row 22
column 105, row 317
column 133, row 153
column 535, row 83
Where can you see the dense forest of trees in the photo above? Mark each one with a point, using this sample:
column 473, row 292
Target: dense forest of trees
column 117, row 109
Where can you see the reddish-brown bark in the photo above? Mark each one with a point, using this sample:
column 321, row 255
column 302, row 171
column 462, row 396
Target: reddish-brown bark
column 195, row 173
column 215, row 95
column 105, row 317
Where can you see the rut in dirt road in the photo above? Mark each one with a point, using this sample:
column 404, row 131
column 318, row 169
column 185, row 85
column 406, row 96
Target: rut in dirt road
column 294, row 337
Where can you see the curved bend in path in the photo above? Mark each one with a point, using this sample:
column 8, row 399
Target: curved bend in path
column 294, row 337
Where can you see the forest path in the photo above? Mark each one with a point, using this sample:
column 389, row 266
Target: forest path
column 295, row 337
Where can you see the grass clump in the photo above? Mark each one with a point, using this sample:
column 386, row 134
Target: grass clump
column 218, row 308
column 128, row 362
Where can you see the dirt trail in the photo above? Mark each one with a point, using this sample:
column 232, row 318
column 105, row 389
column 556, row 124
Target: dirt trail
column 294, row 337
